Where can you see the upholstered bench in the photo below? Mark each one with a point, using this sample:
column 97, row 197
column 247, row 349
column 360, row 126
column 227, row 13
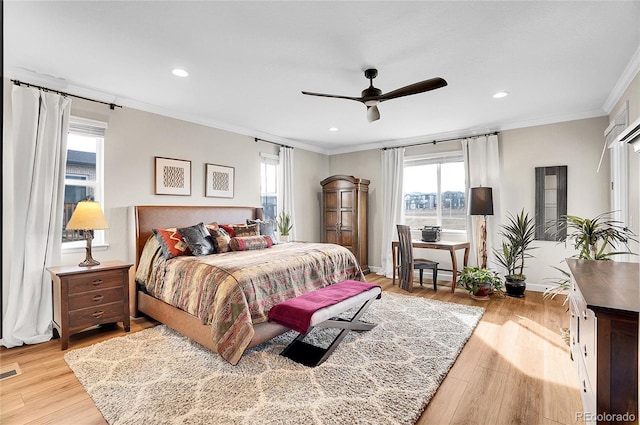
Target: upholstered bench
column 319, row 308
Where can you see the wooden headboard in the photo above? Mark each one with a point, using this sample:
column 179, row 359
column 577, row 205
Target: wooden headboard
column 148, row 217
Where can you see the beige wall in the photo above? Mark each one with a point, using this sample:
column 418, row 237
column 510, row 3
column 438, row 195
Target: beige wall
column 577, row 144
column 365, row 165
column 135, row 137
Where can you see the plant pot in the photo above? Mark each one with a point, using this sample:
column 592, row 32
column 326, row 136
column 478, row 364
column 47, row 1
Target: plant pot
column 515, row 287
column 284, row 238
column 482, row 293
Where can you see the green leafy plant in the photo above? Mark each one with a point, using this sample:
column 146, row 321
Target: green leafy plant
column 519, row 233
column 474, row 278
column 592, row 236
column 284, row 224
column 561, row 285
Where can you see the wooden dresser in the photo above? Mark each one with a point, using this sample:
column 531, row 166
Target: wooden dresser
column 344, row 215
column 87, row 296
column 604, row 302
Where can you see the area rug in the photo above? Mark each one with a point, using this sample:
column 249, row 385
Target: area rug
column 383, row 376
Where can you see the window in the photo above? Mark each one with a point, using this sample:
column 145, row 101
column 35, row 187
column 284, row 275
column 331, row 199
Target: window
column 269, row 185
column 434, row 192
column 83, row 175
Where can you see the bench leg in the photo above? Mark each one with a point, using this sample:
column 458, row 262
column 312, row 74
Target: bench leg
column 311, row 355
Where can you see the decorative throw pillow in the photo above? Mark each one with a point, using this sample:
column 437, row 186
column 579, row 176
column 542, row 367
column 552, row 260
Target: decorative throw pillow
column 212, row 226
column 198, row 239
column 220, row 239
column 229, row 229
column 172, row 243
column 246, row 230
column 248, row 243
column 266, row 227
column 150, row 252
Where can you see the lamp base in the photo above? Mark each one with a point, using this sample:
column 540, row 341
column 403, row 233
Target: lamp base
column 89, row 262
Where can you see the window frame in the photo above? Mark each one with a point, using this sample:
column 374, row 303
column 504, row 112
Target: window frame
column 267, row 159
column 437, row 159
column 89, row 128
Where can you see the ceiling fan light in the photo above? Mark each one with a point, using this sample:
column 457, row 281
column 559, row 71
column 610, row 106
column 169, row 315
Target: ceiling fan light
column 371, row 102
column 373, row 114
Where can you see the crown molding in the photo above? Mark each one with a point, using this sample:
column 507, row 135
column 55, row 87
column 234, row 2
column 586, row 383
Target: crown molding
column 630, row 72
column 61, row 84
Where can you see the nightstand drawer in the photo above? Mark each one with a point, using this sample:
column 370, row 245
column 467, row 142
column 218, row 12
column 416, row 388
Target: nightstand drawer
column 95, row 298
column 97, row 315
column 94, row 281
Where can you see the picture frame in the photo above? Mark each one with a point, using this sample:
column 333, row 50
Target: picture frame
column 219, row 181
column 172, row 176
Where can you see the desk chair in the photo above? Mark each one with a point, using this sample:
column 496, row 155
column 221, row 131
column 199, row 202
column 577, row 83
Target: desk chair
column 408, row 263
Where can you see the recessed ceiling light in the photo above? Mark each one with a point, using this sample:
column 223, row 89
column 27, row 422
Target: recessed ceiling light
column 500, row 94
column 333, row 128
column 180, row 72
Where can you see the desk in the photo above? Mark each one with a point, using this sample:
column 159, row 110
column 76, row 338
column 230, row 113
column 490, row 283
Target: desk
column 452, row 247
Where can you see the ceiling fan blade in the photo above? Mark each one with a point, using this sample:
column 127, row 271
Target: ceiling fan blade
column 373, row 114
column 422, row 86
column 332, row 95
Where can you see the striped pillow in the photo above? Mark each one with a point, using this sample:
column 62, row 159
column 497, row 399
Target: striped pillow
column 248, row 243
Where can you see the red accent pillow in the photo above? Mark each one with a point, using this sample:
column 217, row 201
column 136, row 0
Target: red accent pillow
column 248, row 243
column 172, row 243
column 229, row 229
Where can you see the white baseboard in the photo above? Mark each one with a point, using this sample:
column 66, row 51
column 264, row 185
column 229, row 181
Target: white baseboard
column 534, row 287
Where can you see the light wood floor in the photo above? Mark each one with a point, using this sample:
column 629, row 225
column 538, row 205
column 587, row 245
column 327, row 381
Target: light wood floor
column 515, row 369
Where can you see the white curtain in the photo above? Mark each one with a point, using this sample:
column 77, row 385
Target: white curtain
column 392, row 179
column 285, row 192
column 482, row 164
column 33, row 170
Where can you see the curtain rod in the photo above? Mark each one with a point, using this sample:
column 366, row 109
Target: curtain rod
column 433, row 142
column 273, row 143
column 112, row 106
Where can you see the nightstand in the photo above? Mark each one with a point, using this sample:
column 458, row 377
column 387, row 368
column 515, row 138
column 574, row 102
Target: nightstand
column 88, row 296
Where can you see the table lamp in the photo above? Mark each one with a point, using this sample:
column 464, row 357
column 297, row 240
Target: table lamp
column 87, row 216
column 481, row 203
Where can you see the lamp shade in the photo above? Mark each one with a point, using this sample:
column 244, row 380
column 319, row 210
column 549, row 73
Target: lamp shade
column 87, row 216
column 481, row 202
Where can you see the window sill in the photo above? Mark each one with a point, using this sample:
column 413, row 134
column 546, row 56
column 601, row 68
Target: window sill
column 78, row 249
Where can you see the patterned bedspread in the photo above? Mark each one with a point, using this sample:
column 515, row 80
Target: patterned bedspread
column 233, row 291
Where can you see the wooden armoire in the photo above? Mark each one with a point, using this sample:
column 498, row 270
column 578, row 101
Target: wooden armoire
column 344, row 215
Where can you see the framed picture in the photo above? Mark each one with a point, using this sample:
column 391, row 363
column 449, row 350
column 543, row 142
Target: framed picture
column 219, row 181
column 172, row 176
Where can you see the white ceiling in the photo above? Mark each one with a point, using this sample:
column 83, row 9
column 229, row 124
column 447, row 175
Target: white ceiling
column 249, row 61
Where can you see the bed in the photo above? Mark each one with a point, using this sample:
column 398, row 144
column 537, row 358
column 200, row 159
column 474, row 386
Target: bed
column 239, row 287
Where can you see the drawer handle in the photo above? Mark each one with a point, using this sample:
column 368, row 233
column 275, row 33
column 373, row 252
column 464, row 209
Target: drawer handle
column 97, row 297
column 585, row 350
column 97, row 282
column 98, row 314
column 584, row 315
column 584, row 385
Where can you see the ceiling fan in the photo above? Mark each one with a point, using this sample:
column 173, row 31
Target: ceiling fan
column 371, row 96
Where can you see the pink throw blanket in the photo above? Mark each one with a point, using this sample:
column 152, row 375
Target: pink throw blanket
column 296, row 313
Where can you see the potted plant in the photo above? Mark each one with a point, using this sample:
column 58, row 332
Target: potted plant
column 519, row 233
column 284, row 226
column 592, row 236
column 480, row 282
